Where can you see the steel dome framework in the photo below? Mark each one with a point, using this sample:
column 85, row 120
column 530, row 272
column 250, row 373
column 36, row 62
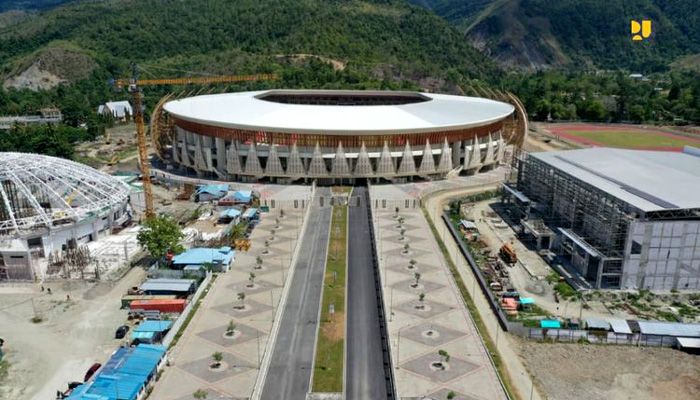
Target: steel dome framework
column 39, row 191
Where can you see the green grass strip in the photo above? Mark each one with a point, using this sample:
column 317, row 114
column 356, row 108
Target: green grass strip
column 330, row 346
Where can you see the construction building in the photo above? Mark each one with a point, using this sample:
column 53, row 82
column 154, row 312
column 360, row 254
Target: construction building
column 618, row 219
column 288, row 135
column 50, row 205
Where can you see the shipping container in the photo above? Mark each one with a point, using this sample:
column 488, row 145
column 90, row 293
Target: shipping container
column 126, row 300
column 162, row 305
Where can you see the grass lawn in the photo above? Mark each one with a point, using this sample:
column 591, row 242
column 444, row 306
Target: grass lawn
column 632, row 139
column 330, row 347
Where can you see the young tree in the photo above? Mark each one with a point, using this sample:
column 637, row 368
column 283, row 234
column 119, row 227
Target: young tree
column 241, row 298
column 412, row 264
column 200, row 394
column 277, row 222
column 217, row 357
column 281, row 212
column 251, row 278
column 416, row 276
column 159, row 235
column 421, row 298
column 231, row 328
column 258, row 262
column 451, row 395
column 403, row 234
column 406, row 247
column 444, row 355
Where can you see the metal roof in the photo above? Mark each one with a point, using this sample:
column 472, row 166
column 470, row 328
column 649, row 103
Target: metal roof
column 247, row 110
column 595, row 323
column 173, row 285
column 203, row 255
column 123, row 375
column 620, row 326
column 43, row 191
column 153, row 326
column 689, row 343
column 669, row 329
column 647, row 180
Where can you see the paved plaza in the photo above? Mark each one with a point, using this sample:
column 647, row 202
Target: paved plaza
column 252, row 316
column 426, row 315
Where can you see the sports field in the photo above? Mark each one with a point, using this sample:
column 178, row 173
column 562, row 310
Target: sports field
column 622, row 136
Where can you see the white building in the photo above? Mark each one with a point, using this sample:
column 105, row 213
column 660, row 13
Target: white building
column 119, row 110
column 49, row 204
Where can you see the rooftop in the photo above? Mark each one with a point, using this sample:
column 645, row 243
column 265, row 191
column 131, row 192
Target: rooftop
column 647, row 180
column 204, row 255
column 338, row 111
column 174, row 285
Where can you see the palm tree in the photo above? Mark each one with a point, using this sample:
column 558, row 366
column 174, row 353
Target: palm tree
column 217, row 357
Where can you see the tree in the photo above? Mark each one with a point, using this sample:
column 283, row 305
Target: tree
column 258, row 262
column 251, row 278
column 406, row 247
column 403, row 233
column 451, row 395
column 159, row 235
column 412, row 263
column 416, row 276
column 277, row 222
column 200, row 394
column 444, row 355
column 231, row 328
column 421, row 298
column 241, row 298
column 217, row 357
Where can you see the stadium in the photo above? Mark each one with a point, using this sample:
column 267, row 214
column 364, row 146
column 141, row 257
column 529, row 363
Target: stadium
column 49, row 205
column 290, row 135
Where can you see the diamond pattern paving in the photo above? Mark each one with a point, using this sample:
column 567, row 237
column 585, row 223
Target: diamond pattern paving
column 431, row 334
column 423, row 286
column 252, row 307
column 243, row 333
column 260, row 286
column 231, row 366
column 455, row 368
column 430, row 309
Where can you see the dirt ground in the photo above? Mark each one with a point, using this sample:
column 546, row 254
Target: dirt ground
column 574, row 371
column 73, row 335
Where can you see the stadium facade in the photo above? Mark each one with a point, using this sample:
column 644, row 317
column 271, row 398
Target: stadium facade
column 618, row 219
column 50, row 205
column 287, row 135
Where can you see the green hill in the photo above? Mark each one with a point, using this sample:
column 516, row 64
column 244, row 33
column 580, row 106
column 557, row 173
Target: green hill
column 309, row 43
column 578, row 34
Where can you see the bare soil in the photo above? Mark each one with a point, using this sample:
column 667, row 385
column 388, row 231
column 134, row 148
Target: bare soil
column 576, row 371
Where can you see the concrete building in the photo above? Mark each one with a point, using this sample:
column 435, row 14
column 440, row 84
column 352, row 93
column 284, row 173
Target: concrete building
column 49, row 205
column 622, row 218
column 288, row 135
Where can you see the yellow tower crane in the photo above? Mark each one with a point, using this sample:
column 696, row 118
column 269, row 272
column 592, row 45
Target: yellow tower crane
column 134, row 86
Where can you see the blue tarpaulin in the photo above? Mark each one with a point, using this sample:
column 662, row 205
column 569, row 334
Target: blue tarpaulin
column 243, row 196
column 550, row 324
column 230, row 213
column 203, row 255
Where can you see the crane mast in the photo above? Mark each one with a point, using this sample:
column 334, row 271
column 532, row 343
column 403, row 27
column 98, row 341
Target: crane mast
column 134, row 86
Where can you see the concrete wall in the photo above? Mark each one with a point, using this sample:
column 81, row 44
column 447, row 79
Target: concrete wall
column 662, row 255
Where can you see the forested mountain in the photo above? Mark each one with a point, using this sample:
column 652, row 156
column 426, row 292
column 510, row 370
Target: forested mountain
column 371, row 43
column 577, row 34
column 24, row 5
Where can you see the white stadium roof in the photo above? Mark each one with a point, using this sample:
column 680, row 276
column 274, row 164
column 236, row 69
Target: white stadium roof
column 255, row 111
column 42, row 191
column 647, row 180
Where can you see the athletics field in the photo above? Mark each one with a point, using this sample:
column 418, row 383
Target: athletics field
column 621, row 136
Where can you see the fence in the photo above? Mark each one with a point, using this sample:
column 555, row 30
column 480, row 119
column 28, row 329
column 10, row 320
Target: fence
column 386, row 349
column 190, row 306
column 483, row 284
column 400, row 203
column 613, row 338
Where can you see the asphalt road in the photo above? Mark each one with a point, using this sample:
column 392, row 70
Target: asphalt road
column 364, row 369
column 291, row 363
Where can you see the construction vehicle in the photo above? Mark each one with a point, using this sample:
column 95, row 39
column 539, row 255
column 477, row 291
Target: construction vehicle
column 507, row 252
column 134, row 85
